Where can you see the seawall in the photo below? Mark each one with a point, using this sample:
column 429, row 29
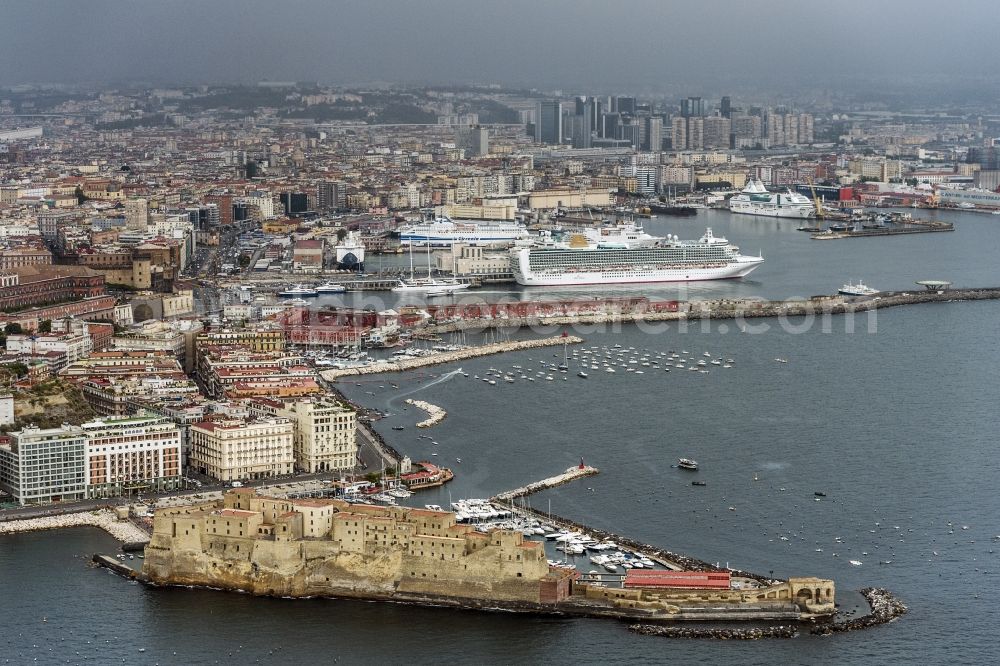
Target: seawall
column 698, row 310
column 449, row 357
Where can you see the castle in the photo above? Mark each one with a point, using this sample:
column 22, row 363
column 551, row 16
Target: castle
column 287, row 547
column 328, row 547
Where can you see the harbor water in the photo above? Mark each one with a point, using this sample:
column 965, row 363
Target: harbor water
column 894, row 423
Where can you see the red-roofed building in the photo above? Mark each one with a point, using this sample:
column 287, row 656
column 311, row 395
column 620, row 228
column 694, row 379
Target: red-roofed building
column 714, row 580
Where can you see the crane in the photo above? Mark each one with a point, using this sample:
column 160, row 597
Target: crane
column 820, row 213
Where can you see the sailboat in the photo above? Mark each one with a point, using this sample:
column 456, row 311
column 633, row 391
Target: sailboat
column 428, row 285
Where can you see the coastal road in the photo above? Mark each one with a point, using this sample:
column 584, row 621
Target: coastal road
column 371, row 452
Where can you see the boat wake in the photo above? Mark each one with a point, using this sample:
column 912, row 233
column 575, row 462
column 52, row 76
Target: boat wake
column 443, row 378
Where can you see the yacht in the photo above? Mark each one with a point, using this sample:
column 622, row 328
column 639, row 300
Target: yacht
column 429, row 286
column 298, row 290
column 687, row 463
column 331, row 288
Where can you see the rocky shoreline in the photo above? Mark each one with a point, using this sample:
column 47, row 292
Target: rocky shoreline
column 104, row 519
column 720, row 633
column 885, row 608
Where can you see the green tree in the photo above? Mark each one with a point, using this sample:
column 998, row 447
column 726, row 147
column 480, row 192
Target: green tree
column 17, row 368
column 45, row 326
column 341, row 234
column 13, row 328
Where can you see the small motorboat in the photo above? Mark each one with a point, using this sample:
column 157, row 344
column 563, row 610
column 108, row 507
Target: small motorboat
column 687, row 463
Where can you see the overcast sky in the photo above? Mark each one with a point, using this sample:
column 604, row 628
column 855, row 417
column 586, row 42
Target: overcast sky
column 529, row 42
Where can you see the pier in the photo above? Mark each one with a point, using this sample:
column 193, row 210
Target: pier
column 448, row 357
column 899, row 229
column 571, row 474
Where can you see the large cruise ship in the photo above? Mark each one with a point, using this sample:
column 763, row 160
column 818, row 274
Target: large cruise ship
column 670, row 260
column 443, row 232
column 756, row 200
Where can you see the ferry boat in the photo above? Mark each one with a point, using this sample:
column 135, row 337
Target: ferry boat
column 859, row 289
column 298, row 291
column 669, row 260
column 331, row 288
column 756, row 200
column 444, row 232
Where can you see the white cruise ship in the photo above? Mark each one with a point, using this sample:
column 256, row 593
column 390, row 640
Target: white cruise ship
column 756, row 200
column 443, row 232
column 670, row 260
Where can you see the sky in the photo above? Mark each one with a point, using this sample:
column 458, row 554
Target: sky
column 533, row 43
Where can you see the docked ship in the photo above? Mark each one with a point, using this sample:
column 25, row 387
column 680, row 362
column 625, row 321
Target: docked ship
column 331, row 288
column 756, row 200
column 444, row 232
column 351, row 253
column 621, row 234
column 298, row 291
column 668, row 260
column 859, row 289
column 430, row 286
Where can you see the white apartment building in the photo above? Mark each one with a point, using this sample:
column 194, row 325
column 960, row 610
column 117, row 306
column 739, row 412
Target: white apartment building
column 235, row 449
column 40, row 466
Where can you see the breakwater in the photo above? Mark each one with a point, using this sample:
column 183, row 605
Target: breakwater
column 885, row 608
column 435, row 413
column 723, row 309
column 449, row 357
column 721, row 633
column 570, row 474
column 122, row 530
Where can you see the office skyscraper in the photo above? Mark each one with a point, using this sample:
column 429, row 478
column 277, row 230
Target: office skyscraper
column 653, row 136
column 548, row 122
column 624, row 105
column 693, row 107
column 726, row 107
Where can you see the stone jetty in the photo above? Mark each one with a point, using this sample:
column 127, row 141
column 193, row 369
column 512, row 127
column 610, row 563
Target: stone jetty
column 720, row 633
column 402, row 365
column 571, row 474
column 435, row 413
column 885, row 608
column 122, row 530
column 727, row 309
